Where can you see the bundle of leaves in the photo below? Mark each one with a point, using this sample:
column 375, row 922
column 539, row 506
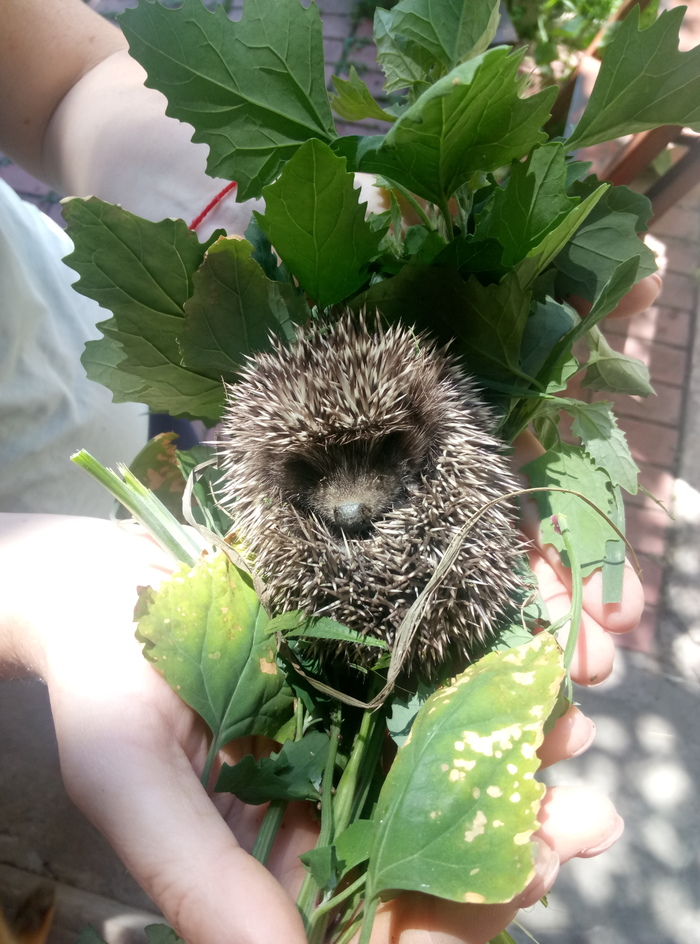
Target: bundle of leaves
column 506, row 225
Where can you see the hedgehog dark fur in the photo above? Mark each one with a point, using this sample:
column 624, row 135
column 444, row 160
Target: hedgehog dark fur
column 351, row 460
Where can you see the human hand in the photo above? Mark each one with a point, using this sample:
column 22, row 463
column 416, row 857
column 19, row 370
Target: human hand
column 131, row 754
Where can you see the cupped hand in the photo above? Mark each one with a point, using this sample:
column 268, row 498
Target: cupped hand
column 131, row 754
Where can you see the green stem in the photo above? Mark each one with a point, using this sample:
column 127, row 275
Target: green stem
column 576, row 597
column 368, row 920
column 269, row 829
column 347, row 787
column 145, row 507
column 413, row 203
column 306, row 902
column 331, row 903
column 350, row 931
column 208, row 763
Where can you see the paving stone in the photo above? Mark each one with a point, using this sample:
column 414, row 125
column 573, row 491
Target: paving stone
column 658, row 323
column 656, row 445
column 665, row 408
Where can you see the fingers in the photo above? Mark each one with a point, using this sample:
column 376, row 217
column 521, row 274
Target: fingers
column 578, row 821
column 571, row 735
column 595, row 651
column 126, row 769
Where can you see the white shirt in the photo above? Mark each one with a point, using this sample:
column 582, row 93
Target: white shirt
column 48, row 407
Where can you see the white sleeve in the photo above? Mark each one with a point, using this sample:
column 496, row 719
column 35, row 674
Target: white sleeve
column 48, row 407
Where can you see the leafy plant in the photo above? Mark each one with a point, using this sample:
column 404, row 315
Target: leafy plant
column 488, row 227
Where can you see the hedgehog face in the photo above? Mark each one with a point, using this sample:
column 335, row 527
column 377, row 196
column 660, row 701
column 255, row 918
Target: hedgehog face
column 351, row 459
column 351, row 485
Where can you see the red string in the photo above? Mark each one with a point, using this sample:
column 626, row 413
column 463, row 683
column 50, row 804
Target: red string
column 210, row 206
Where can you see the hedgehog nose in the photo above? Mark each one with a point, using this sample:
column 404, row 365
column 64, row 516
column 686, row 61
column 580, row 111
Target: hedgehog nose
column 353, row 516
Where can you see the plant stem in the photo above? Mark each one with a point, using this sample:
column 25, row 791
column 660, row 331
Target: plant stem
column 306, row 902
column 576, row 600
column 368, row 920
column 331, row 903
column 346, row 792
column 268, row 830
column 208, row 763
column 145, row 507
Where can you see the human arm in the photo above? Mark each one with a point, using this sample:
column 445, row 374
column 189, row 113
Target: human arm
column 75, row 113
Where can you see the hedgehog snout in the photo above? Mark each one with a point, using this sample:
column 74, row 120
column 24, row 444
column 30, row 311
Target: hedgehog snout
column 354, row 502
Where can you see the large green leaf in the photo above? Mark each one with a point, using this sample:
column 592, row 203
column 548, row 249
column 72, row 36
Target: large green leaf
column 143, row 272
column 233, row 310
column 606, row 238
column 485, row 321
column 423, row 39
column 472, row 120
column 253, row 90
column 531, row 204
column 204, row 631
column 570, row 467
column 459, row 805
column 604, row 441
column 644, row 82
column 317, row 225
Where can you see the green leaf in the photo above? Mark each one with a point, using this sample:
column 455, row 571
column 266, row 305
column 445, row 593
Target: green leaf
column 570, row 467
column 296, row 625
column 353, row 100
column 161, row 934
column 644, row 82
column 548, row 323
column 546, row 425
column 403, row 713
column 253, row 90
column 486, row 321
column 402, row 64
column 607, row 237
column 294, row 773
column 322, row 863
column 204, row 631
column 103, row 362
column 532, row 202
column 157, row 468
column 540, row 256
column 420, row 40
column 233, row 311
column 604, row 441
column 353, row 844
column 316, row 223
column 206, row 485
column 143, row 272
column 473, row 120
column 610, row 370
column 459, row 805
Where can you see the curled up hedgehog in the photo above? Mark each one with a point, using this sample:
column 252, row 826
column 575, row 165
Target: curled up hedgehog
column 351, row 459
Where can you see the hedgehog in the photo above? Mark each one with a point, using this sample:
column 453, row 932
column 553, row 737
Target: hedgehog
column 351, row 458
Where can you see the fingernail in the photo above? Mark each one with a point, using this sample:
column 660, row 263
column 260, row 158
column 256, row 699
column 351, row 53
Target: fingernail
column 587, row 741
column 606, row 843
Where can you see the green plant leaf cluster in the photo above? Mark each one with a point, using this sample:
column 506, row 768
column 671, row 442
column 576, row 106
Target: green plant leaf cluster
column 185, row 314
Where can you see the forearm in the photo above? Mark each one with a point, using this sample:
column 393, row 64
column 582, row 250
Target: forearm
column 110, row 137
column 75, row 112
